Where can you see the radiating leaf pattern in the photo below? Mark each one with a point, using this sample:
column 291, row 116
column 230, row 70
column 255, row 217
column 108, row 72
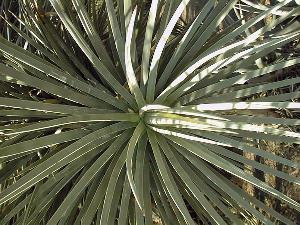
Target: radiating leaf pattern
column 118, row 112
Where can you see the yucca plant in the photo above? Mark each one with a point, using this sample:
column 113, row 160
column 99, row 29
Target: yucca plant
column 121, row 112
